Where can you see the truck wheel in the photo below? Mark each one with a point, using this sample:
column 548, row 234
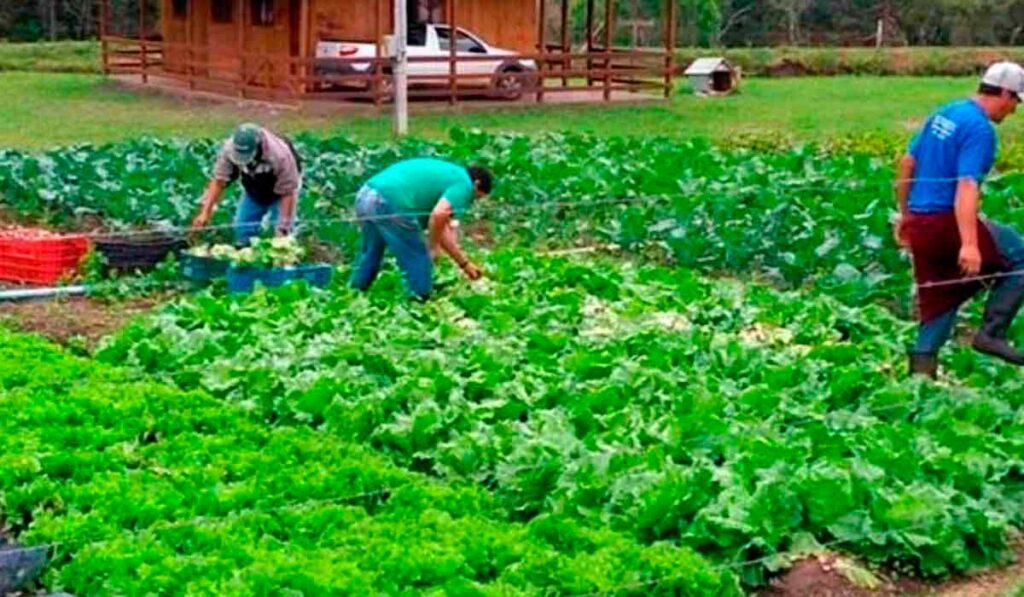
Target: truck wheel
column 508, row 84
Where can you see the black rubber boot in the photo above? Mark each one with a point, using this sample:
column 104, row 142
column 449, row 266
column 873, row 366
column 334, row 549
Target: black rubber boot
column 924, row 363
column 1003, row 305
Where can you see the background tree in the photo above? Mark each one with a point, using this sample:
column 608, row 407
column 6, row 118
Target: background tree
column 700, row 22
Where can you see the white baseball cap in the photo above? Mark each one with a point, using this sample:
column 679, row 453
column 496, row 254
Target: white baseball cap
column 1007, row 75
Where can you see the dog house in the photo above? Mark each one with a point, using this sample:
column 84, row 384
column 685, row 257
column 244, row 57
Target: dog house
column 712, row 76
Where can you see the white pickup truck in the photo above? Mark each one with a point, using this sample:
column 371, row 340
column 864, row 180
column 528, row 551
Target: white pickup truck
column 506, row 76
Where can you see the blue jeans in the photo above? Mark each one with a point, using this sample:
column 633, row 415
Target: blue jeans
column 932, row 335
column 381, row 229
column 249, row 218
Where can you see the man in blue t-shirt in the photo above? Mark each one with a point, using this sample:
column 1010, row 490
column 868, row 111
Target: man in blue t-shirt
column 397, row 203
column 938, row 189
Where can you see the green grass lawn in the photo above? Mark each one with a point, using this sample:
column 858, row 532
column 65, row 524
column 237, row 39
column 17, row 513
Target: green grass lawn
column 59, row 109
column 61, row 57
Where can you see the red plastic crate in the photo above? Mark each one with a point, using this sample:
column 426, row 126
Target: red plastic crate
column 39, row 256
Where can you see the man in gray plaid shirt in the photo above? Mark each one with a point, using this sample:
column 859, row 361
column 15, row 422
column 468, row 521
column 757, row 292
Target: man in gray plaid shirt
column 271, row 175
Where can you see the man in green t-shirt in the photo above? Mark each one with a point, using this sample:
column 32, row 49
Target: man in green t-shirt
column 396, row 204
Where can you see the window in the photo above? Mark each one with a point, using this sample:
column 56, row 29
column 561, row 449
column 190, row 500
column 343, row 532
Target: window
column 221, row 11
column 463, row 43
column 262, row 12
column 417, row 35
column 425, row 11
column 179, row 8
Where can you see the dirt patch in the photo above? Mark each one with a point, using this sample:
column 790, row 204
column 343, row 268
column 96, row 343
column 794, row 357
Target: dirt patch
column 71, row 317
column 991, row 583
column 324, row 252
column 827, row 576
column 820, row 576
column 480, row 232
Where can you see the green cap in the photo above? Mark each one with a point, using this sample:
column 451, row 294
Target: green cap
column 244, row 143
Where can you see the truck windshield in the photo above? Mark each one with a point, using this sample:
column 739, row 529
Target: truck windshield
column 463, row 43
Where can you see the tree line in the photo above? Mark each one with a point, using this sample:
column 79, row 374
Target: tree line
column 700, row 22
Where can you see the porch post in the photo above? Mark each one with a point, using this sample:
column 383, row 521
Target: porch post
column 590, row 41
column 670, row 45
column 104, row 17
column 453, row 57
column 566, row 45
column 375, row 85
column 542, row 48
column 189, row 53
column 608, row 6
column 304, row 31
column 240, row 41
column 142, row 41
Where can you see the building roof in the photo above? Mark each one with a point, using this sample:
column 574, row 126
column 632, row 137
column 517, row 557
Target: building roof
column 706, row 66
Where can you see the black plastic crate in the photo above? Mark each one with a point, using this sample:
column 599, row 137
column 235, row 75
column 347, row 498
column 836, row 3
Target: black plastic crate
column 139, row 251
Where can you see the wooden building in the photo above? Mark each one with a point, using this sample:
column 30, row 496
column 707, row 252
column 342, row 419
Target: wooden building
column 268, row 48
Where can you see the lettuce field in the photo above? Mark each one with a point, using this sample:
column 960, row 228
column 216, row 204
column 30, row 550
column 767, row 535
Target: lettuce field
column 689, row 415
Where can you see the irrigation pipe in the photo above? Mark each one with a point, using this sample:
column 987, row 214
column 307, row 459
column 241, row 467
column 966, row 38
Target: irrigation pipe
column 21, row 294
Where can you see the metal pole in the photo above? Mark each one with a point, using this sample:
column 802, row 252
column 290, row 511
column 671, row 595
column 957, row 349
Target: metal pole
column 401, row 60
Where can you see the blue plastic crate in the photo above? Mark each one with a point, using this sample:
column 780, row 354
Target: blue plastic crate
column 203, row 270
column 244, row 279
column 20, row 566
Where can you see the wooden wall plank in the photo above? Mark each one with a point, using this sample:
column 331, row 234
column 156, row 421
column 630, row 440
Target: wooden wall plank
column 510, row 24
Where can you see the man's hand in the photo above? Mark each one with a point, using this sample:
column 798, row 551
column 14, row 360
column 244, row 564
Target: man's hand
column 207, row 203
column 444, row 235
column 899, row 233
column 201, row 219
column 472, row 271
column 966, row 209
column 970, row 260
column 286, row 215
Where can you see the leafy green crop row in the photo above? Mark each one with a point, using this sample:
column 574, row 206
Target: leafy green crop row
column 795, row 216
column 147, row 489
column 731, row 418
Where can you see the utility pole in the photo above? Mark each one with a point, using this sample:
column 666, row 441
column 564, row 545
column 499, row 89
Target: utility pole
column 400, row 70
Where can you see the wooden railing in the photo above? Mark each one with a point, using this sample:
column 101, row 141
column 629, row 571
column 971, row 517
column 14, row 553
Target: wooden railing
column 284, row 78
